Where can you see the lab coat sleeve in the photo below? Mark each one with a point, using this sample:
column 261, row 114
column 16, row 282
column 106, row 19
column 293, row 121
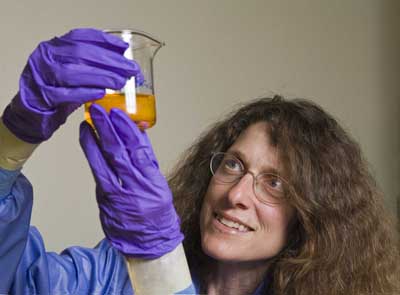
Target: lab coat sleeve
column 76, row 270
column 26, row 267
column 15, row 214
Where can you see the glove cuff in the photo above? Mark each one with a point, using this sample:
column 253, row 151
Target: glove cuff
column 13, row 151
column 165, row 275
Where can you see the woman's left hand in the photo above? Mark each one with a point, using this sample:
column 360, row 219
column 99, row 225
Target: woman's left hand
column 135, row 202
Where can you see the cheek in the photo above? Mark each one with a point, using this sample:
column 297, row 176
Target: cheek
column 276, row 221
column 209, row 202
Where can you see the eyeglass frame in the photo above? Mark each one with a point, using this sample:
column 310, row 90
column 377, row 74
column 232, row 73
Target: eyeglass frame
column 255, row 177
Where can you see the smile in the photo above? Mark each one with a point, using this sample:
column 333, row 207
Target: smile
column 232, row 224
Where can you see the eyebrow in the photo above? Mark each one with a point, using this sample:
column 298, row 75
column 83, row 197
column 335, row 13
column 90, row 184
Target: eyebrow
column 242, row 157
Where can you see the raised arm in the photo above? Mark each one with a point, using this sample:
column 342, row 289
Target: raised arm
column 61, row 74
column 135, row 202
column 15, row 205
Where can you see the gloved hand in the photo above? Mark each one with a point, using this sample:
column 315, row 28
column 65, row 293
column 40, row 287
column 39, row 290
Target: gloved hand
column 62, row 74
column 135, row 202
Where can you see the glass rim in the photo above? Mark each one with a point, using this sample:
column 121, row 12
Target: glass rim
column 135, row 31
column 247, row 171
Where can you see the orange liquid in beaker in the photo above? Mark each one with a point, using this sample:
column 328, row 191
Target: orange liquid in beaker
column 145, row 108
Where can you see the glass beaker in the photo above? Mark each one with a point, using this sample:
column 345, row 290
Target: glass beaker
column 138, row 101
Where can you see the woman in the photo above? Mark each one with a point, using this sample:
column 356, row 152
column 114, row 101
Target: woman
column 275, row 199
column 339, row 239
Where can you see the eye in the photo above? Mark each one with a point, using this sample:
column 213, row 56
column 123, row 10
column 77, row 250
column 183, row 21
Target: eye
column 271, row 182
column 231, row 165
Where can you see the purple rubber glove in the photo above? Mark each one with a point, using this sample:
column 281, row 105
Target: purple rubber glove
column 62, row 74
column 135, row 202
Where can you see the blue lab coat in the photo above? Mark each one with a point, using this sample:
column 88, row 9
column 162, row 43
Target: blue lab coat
column 26, row 267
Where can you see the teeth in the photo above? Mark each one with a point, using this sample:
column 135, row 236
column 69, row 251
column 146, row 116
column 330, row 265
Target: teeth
column 233, row 224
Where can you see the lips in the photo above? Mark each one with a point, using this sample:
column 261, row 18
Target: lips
column 233, row 223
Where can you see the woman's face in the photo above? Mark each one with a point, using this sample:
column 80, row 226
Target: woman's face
column 235, row 225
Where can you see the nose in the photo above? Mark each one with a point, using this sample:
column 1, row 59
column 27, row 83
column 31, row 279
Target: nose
column 241, row 194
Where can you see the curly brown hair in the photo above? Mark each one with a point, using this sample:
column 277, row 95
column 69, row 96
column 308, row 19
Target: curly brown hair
column 344, row 242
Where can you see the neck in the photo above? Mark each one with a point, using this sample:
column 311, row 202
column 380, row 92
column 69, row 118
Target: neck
column 236, row 278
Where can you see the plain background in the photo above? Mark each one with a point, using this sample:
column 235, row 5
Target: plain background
column 343, row 54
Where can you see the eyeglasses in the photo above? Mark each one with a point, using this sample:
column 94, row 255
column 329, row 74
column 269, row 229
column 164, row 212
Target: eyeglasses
column 269, row 188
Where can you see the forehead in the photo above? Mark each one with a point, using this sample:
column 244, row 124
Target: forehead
column 255, row 149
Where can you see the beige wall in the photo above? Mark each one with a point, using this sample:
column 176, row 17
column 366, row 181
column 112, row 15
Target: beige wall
column 343, row 54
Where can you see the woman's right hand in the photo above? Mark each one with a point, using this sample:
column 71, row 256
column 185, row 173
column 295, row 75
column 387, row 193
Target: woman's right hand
column 62, row 74
column 136, row 204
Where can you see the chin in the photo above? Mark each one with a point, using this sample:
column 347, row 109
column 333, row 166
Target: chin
column 222, row 251
column 225, row 251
